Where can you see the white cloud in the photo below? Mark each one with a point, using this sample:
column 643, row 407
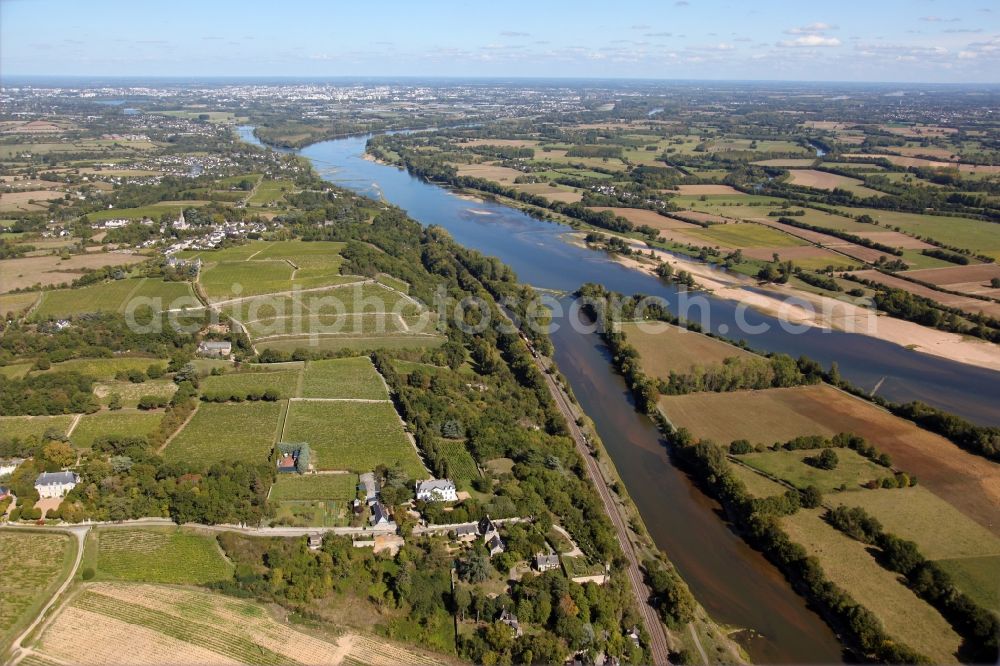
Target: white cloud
column 811, row 29
column 938, row 19
column 810, row 41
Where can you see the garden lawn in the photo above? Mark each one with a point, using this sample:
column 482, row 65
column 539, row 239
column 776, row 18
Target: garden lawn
column 118, row 423
column 343, row 378
column 160, row 555
column 355, row 436
column 228, row 431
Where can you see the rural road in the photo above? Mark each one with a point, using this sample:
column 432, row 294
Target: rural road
column 80, row 532
column 658, row 638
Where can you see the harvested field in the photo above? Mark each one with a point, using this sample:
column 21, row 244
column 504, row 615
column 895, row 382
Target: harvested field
column 550, row 191
column 49, row 270
column 699, row 216
column 498, row 174
column 821, row 180
column 664, row 348
column 968, row 482
column 973, row 279
column 970, row 305
column 976, row 235
column 27, row 201
column 17, row 303
column 848, row 564
column 895, row 239
column 164, row 624
column 825, row 240
column 698, row 190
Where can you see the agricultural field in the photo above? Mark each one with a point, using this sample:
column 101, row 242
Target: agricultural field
column 17, row 303
column 359, row 343
column 757, row 485
column 778, row 415
column 242, row 383
column 156, row 555
column 848, row 564
column 343, row 378
column 972, row 279
column 664, row 348
column 964, row 303
column 169, row 624
column 116, row 296
column 27, row 202
column 22, row 427
column 119, row 423
column 354, row 436
column 976, row 235
column 130, row 393
column 744, row 235
column 822, row 180
column 852, row 470
column 41, row 561
column 339, row 487
column 220, row 432
column 106, row 368
column 49, row 270
column 269, row 192
column 461, row 465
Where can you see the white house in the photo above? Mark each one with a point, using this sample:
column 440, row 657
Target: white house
column 55, row 484
column 215, row 348
column 9, row 465
column 437, row 490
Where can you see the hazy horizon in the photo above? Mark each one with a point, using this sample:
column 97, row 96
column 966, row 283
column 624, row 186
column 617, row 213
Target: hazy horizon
column 690, row 40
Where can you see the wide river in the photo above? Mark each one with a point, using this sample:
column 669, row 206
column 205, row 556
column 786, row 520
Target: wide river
column 735, row 584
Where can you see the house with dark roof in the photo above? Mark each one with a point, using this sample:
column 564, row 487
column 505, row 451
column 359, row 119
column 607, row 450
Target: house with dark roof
column 380, row 515
column 216, row 348
column 508, row 618
column 55, row 484
column 546, row 561
column 436, row 490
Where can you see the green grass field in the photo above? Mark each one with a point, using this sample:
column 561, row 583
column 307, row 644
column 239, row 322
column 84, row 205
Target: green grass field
column 847, row 563
column 107, row 368
column 220, row 432
column 976, row 235
column 120, row 423
column 977, row 577
column 116, row 296
column 160, row 555
column 22, row 427
column 271, row 191
column 232, row 279
column 342, row 487
column 745, row 235
column 353, row 436
column 343, row 378
column 941, row 531
column 241, row 383
column 364, row 343
column 153, row 212
column 852, row 469
column 34, row 564
column 757, row 485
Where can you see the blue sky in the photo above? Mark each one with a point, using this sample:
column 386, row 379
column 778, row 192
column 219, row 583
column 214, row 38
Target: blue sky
column 850, row 40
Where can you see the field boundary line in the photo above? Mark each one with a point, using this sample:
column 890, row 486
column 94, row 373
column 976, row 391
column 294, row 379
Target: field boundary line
column 368, row 400
column 197, row 406
column 283, row 426
column 292, row 292
column 73, row 425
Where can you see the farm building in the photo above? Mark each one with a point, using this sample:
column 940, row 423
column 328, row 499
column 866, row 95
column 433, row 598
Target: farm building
column 9, row 465
column 215, row 348
column 546, row 561
column 287, row 463
column 55, row 484
column 437, row 490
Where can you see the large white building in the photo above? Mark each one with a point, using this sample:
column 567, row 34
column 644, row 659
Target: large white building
column 9, row 465
column 437, row 490
column 55, row 484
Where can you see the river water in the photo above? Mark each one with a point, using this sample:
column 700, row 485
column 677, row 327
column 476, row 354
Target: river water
column 735, row 584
